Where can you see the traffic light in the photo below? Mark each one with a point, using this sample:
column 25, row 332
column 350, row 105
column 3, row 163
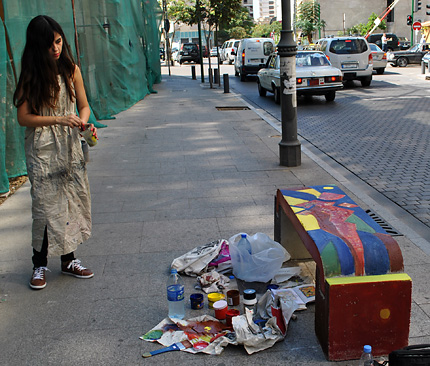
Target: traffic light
column 428, row 7
column 417, row 5
column 409, row 20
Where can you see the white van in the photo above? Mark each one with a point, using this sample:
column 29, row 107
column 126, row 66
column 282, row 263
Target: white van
column 252, row 55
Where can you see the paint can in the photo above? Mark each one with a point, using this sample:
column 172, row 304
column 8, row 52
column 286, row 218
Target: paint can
column 213, row 297
column 196, row 301
column 233, row 297
column 249, row 297
column 231, row 313
column 220, row 308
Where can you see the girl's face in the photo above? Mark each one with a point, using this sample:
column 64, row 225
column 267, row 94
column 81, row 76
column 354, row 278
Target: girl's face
column 56, row 47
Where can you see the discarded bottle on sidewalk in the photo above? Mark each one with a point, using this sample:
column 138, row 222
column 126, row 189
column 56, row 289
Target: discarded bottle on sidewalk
column 244, row 244
column 366, row 358
column 175, row 295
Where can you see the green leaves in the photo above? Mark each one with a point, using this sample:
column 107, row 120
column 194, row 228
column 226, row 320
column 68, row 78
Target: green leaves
column 308, row 18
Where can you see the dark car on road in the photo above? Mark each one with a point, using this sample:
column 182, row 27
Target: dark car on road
column 405, row 44
column 393, row 43
column 189, row 52
column 413, row 55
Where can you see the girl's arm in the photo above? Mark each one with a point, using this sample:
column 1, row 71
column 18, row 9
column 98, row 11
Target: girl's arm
column 81, row 97
column 81, row 101
column 28, row 119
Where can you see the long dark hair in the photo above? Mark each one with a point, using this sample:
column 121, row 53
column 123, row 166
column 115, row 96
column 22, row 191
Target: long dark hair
column 38, row 81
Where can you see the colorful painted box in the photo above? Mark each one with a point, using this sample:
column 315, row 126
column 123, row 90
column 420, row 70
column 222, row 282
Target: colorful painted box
column 358, row 270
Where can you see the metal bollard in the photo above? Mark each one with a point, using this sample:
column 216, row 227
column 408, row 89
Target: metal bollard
column 210, row 75
column 423, row 67
column 193, row 72
column 226, row 83
column 216, row 76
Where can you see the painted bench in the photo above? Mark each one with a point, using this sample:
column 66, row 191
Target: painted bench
column 362, row 295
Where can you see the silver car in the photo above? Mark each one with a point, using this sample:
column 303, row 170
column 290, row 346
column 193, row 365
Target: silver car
column 314, row 76
column 379, row 59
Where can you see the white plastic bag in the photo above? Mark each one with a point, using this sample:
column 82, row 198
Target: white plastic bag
column 264, row 261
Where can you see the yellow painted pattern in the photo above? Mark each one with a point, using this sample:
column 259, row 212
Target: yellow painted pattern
column 294, row 201
column 309, row 222
column 297, row 209
column 311, row 191
column 364, row 279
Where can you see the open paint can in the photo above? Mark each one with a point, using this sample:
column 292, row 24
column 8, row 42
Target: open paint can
column 220, row 308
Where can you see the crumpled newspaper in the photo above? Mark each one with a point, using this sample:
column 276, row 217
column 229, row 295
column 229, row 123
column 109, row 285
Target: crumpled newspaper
column 213, row 282
column 254, row 338
column 196, row 261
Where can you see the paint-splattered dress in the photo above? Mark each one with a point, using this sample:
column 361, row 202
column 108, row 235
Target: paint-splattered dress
column 59, row 184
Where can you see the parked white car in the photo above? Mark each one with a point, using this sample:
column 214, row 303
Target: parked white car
column 314, row 76
column 379, row 59
column 229, row 50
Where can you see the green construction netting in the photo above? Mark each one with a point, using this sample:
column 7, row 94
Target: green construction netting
column 118, row 47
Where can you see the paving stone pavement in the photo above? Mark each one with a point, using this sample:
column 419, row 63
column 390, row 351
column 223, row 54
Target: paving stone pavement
column 169, row 174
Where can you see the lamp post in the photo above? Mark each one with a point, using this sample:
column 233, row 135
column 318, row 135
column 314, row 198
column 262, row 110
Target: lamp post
column 289, row 147
column 199, row 28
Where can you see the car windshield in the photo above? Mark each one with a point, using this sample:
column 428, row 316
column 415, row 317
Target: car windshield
column 348, row 46
column 304, row 59
column 189, row 47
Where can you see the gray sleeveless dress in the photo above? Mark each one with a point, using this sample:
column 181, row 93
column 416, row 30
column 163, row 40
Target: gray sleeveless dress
column 60, row 190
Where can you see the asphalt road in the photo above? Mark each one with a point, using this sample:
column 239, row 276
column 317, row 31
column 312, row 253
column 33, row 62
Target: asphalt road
column 380, row 133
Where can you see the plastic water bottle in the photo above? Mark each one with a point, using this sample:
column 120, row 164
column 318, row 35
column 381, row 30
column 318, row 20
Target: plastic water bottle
column 366, row 358
column 175, row 295
column 244, row 244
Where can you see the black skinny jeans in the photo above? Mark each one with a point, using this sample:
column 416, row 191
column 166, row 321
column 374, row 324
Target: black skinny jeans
column 40, row 259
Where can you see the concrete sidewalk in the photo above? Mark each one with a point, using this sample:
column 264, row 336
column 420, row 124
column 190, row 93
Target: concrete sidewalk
column 169, row 174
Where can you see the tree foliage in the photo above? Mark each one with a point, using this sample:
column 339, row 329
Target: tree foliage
column 308, row 18
column 227, row 15
column 265, row 30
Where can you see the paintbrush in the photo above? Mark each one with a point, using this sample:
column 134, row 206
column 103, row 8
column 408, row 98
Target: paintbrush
column 179, row 346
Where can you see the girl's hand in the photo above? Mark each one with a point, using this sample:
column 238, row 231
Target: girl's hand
column 89, row 126
column 71, row 120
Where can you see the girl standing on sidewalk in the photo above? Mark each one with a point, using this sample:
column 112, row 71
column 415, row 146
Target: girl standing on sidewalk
column 49, row 89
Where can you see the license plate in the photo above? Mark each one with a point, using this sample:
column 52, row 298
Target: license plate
column 349, row 65
column 185, row 53
column 255, row 60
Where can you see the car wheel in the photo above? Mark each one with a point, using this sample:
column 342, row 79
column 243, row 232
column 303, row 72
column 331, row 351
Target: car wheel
column 261, row 90
column 277, row 95
column 242, row 76
column 330, row 96
column 236, row 73
column 402, row 62
column 366, row 81
column 380, row 71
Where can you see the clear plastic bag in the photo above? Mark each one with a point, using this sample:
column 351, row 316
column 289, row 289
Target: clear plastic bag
column 264, row 261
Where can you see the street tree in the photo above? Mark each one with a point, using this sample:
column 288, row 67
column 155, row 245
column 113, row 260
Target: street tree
column 308, row 18
column 268, row 30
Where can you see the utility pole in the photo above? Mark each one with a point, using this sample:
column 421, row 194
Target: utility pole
column 199, row 27
column 289, row 147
